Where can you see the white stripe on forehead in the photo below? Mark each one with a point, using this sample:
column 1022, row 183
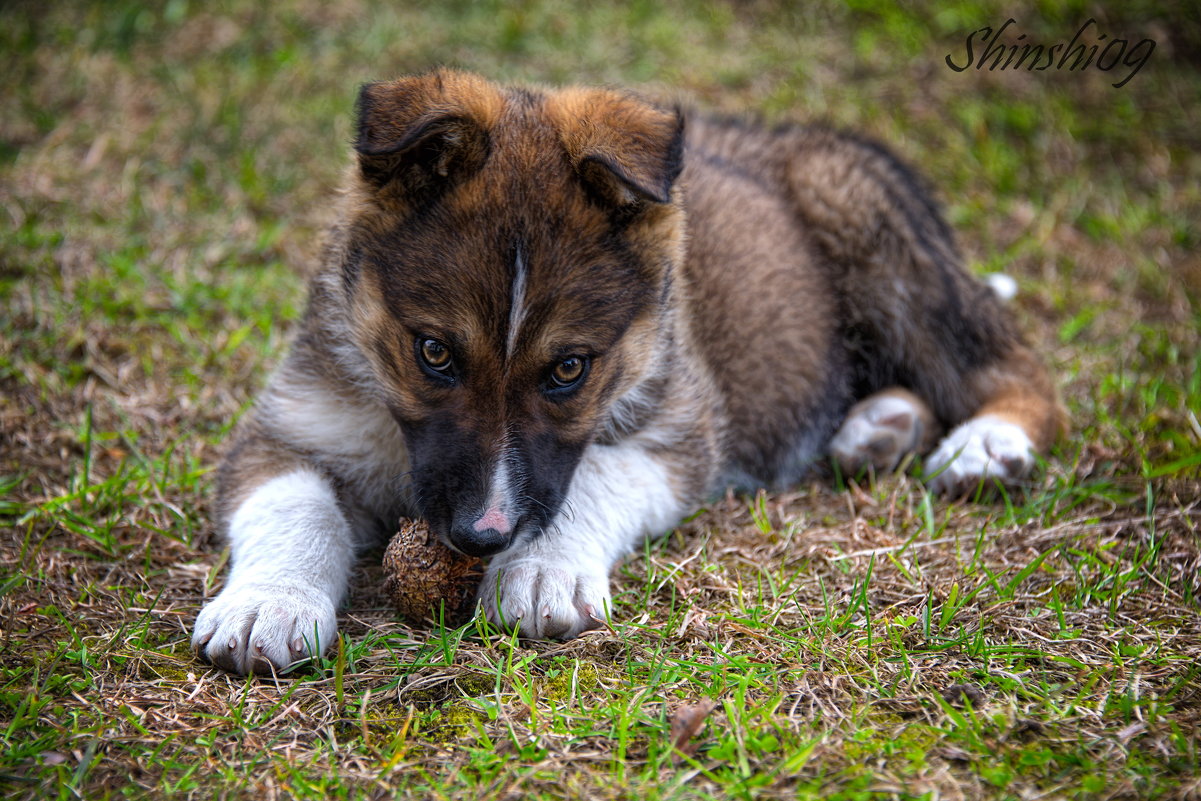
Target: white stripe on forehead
column 516, row 301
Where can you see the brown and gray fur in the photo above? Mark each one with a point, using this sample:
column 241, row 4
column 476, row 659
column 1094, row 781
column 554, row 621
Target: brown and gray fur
column 747, row 303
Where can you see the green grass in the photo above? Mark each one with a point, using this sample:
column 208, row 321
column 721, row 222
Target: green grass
column 165, row 173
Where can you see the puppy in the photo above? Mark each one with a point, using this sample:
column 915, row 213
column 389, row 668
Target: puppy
column 552, row 322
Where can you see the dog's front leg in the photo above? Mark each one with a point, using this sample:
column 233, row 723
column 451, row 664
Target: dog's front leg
column 557, row 584
column 292, row 550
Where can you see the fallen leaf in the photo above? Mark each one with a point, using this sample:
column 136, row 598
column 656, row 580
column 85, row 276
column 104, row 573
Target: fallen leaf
column 686, row 722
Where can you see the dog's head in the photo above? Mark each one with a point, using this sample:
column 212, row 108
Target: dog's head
column 509, row 258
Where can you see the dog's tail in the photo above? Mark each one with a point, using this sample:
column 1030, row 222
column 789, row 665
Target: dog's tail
column 1002, row 285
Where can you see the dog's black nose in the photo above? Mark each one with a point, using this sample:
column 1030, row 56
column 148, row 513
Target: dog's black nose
column 479, row 543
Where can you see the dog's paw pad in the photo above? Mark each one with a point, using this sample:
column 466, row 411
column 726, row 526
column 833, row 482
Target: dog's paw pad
column 545, row 600
column 878, row 433
column 264, row 629
column 982, row 448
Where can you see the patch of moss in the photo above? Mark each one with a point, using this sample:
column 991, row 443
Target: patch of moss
column 454, row 720
column 170, row 671
column 375, row 729
column 558, row 683
column 473, row 684
column 467, row 684
column 904, row 747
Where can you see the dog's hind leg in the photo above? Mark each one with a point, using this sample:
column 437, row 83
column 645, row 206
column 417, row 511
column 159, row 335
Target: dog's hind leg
column 881, row 430
column 1018, row 417
column 914, row 317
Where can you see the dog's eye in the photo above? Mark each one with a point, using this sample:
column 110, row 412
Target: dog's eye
column 568, row 372
column 435, row 355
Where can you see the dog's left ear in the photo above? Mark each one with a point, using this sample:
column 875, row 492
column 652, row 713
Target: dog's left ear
column 625, row 149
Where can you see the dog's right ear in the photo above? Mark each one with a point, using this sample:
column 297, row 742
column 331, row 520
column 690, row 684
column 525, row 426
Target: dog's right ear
column 418, row 135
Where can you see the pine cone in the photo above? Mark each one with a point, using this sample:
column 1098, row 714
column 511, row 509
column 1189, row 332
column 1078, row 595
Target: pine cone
column 422, row 576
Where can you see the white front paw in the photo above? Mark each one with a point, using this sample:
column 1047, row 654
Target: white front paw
column 544, row 597
column 264, row 628
column 982, row 448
